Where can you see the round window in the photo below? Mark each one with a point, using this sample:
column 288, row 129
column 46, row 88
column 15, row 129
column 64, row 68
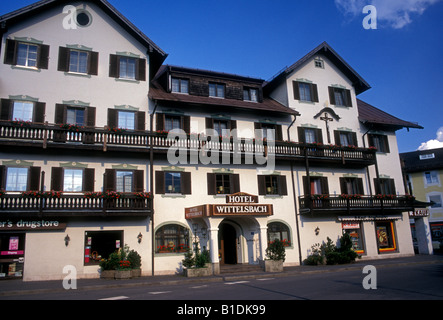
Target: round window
column 84, row 18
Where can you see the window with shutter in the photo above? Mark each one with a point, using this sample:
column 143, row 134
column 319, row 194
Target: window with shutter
column 77, row 61
column 340, row 97
column 127, row 68
column 305, row 91
column 27, row 55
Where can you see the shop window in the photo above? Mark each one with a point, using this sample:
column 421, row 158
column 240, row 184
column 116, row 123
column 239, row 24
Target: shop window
column 356, row 233
column 100, row 244
column 279, row 231
column 172, row 238
column 12, row 246
column 385, row 236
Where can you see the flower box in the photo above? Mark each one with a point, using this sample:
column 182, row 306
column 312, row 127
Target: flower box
column 198, row 272
column 272, row 265
column 136, row 273
column 107, row 274
column 123, row 274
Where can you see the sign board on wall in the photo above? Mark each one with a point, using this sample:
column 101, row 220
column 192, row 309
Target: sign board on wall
column 31, row 225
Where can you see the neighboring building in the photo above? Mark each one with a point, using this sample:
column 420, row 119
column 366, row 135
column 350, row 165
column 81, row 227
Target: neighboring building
column 87, row 164
column 423, row 172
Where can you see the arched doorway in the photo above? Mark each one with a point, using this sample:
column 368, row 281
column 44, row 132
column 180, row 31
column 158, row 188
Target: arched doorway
column 227, row 244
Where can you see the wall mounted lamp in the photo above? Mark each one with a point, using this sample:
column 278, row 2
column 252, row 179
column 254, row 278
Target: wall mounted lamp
column 140, row 237
column 317, row 231
column 67, row 239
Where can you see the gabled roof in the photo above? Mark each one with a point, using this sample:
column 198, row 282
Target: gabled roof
column 431, row 159
column 370, row 115
column 358, row 82
column 157, row 55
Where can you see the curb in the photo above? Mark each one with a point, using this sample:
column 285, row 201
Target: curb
column 216, row 279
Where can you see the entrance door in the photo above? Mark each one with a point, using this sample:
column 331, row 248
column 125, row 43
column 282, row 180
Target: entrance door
column 228, row 244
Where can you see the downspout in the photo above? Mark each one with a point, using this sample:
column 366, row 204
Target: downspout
column 151, row 181
column 367, row 168
column 295, row 198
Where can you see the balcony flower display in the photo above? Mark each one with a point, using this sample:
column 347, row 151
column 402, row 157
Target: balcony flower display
column 21, row 123
column 117, row 130
column 320, row 197
column 143, row 195
column 385, row 196
column 350, row 196
column 71, row 127
column 40, row 194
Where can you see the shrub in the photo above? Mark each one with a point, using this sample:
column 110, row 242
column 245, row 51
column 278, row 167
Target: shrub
column 276, row 250
column 330, row 254
column 135, row 259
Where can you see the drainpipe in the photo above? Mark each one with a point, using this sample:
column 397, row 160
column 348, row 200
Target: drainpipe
column 151, row 181
column 295, row 198
column 367, row 168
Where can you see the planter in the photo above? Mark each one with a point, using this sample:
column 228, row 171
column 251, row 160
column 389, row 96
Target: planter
column 198, row 272
column 136, row 273
column 107, row 274
column 272, row 265
column 123, row 274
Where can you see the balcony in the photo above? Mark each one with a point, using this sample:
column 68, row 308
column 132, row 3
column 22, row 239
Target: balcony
column 355, row 204
column 56, row 204
column 105, row 139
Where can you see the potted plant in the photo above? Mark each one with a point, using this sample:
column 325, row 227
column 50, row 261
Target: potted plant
column 198, row 265
column 276, row 256
column 135, row 259
column 123, row 270
column 109, row 265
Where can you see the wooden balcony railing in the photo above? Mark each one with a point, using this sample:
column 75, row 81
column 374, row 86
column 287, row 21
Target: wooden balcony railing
column 376, row 205
column 127, row 204
column 104, row 138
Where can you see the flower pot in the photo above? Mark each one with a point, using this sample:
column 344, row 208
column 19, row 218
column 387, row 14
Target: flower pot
column 107, row 274
column 135, row 273
column 198, row 272
column 272, row 265
column 123, row 274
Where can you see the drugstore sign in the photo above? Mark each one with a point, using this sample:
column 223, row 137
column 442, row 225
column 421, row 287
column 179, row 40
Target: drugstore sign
column 31, row 225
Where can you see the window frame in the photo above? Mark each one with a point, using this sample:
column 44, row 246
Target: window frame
column 391, row 245
column 120, row 121
column 345, row 95
column 432, row 174
column 27, row 58
column 219, row 90
column 89, row 250
column 247, row 94
column 276, row 227
column 380, row 142
column 311, row 87
column 180, row 239
column 180, row 86
column 65, row 176
column 127, row 172
column 78, row 62
column 125, row 74
column 8, row 177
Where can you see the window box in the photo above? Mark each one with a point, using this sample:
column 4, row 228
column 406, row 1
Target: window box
column 123, row 274
column 198, row 272
column 107, row 274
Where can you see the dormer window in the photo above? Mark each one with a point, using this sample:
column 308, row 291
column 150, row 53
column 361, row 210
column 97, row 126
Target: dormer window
column 216, row 90
column 250, row 94
column 180, row 85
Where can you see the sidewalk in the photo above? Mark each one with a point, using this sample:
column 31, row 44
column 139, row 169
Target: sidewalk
column 16, row 287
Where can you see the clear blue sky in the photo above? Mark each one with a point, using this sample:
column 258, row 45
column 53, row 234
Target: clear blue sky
column 258, row 38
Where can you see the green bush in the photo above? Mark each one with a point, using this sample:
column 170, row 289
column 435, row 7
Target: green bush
column 330, row 254
column 135, row 259
column 276, row 250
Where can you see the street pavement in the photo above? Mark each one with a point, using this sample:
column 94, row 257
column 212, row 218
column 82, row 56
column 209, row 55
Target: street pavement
column 10, row 288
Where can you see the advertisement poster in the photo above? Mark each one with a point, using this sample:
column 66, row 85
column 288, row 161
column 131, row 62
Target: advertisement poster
column 382, row 236
column 13, row 243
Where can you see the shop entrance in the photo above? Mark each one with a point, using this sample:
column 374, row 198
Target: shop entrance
column 227, row 237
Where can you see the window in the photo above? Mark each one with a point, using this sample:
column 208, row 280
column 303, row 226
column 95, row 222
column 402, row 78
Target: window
column 124, row 181
column 180, row 85
column 340, row 97
column 126, row 120
column 318, row 185
column 379, row 141
column 437, row 201
column 250, row 94
column 127, row 68
column 351, row 186
column 16, row 179
column 26, row 54
column 221, row 127
column 100, row 244
column 319, row 63
column 268, row 131
column 385, row 236
column 172, row 122
column 216, row 90
column 345, row 138
column 384, row 186
column 305, row 91
column 356, row 233
column 310, row 135
column 23, row 111
column 78, row 61
column 431, row 178
column 73, row 180
column 223, row 183
column 75, row 116
column 172, row 238
column 272, row 185
column 170, row 182
column 279, row 231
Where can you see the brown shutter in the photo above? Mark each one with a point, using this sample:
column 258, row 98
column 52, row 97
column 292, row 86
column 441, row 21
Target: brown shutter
column 354, row 139
column 93, row 63
column 211, row 184
column 305, row 186
column 88, row 180
column 2, row 177
column 343, row 189
column 392, row 185
column 141, row 75
column 159, row 182
column 348, row 98
column 39, row 112
column 337, row 137
column 331, row 95
column 160, row 122
column 282, row 186
column 34, row 179
column 314, row 93
column 261, row 181
column 186, row 183
column 386, row 144
column 318, row 136
column 235, row 183
column 10, row 52
column 278, row 132
column 60, row 113
column 360, row 186
column 90, row 116
column 43, row 61
column 209, row 123
column 63, row 59
column 114, row 67
column 301, row 134
column 296, row 90
column 57, row 179
column 377, row 186
column 112, row 118
column 6, row 109
column 139, row 181
column 140, row 120
column 109, row 183
column 186, row 121
column 324, row 185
